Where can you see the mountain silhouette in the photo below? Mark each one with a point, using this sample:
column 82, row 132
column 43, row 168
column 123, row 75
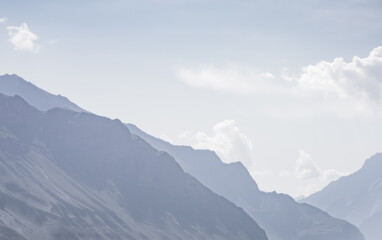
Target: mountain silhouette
column 278, row 214
column 356, row 198
column 75, row 175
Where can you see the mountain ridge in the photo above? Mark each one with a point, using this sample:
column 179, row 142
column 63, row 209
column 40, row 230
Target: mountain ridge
column 268, row 209
column 15, row 85
column 75, row 175
column 356, row 197
column 277, row 211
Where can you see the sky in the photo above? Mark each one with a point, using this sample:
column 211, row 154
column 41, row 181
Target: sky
column 292, row 89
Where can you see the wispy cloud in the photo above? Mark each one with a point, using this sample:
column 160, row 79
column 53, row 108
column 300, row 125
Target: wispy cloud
column 3, row 20
column 22, row 38
column 359, row 79
column 232, row 79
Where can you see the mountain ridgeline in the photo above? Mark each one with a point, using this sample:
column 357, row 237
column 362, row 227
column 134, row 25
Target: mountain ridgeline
column 278, row 214
column 356, row 198
column 75, row 175
column 14, row 85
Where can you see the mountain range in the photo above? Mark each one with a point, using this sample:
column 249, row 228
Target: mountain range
column 75, row 175
column 104, row 176
column 278, row 214
column 356, row 198
column 12, row 85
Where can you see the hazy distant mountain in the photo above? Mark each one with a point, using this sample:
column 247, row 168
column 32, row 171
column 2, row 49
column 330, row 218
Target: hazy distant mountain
column 14, row 85
column 70, row 175
column 356, row 198
column 278, row 214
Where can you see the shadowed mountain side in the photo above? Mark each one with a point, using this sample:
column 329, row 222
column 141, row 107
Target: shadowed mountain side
column 356, row 198
column 243, row 190
column 14, row 85
column 278, row 214
column 69, row 175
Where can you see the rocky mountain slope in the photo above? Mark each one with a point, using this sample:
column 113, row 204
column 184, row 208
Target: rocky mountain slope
column 70, row 175
column 356, row 198
column 278, row 214
column 14, row 85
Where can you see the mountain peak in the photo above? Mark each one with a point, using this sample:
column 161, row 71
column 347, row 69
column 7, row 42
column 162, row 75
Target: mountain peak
column 76, row 175
column 11, row 75
column 373, row 161
column 356, row 198
column 234, row 182
column 15, row 85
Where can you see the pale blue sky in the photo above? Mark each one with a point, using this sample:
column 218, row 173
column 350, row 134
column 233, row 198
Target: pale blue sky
column 177, row 68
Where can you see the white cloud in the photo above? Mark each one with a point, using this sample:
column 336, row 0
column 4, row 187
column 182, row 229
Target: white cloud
column 302, row 179
column 233, row 79
column 22, row 38
column 3, row 20
column 267, row 75
column 228, row 142
column 165, row 138
column 359, row 79
column 306, row 168
column 315, row 178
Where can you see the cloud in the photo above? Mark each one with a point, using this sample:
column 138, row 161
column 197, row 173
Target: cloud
column 284, row 173
column 22, row 38
column 267, row 75
column 228, row 142
column 232, row 79
column 306, row 177
column 165, row 138
column 306, row 168
column 359, row 79
column 3, row 20
column 312, row 177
